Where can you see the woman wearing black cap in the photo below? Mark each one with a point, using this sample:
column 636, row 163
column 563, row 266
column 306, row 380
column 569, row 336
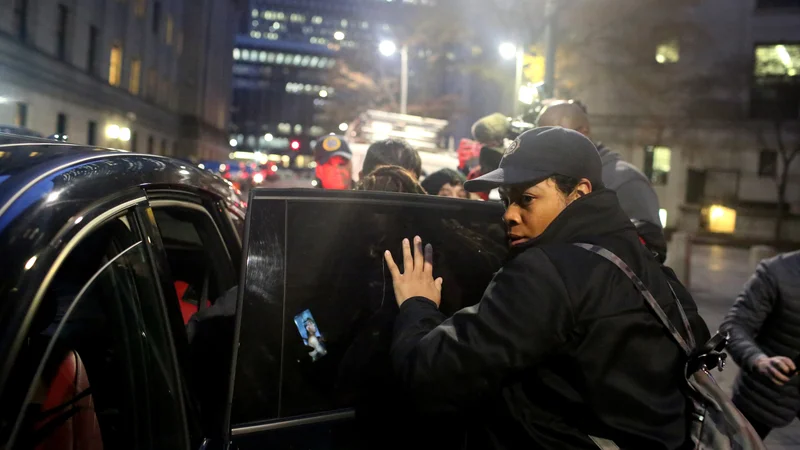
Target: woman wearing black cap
column 562, row 351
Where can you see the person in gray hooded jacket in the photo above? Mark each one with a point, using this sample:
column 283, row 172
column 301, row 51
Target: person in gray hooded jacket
column 634, row 191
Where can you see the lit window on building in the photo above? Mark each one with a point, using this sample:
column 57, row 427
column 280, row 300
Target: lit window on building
column 316, row 20
column 657, row 164
column 668, row 52
column 255, row 34
column 272, row 36
column 270, row 57
column 262, row 56
column 279, row 59
column 298, row 129
column 276, row 25
column 313, row 40
column 781, row 60
column 365, row 25
column 314, row 61
column 284, row 128
column 344, row 23
column 246, row 55
column 254, row 13
column 297, row 60
column 280, row 16
column 141, row 7
column 297, row 18
column 134, row 83
column 170, row 30
column 237, row 54
column 115, row 65
column 323, row 62
column 306, row 60
column 254, row 23
column 308, row 88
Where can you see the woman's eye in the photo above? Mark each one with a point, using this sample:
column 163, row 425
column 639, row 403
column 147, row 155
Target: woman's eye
column 527, row 199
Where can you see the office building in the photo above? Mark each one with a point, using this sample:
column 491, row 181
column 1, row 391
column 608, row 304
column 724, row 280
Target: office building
column 150, row 76
column 705, row 130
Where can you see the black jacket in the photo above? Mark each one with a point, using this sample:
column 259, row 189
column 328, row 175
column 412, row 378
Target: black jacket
column 765, row 321
column 562, row 345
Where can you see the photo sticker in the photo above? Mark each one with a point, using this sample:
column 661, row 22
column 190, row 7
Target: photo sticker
column 312, row 337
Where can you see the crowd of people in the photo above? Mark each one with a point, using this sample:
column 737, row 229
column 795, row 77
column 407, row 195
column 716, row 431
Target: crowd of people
column 584, row 338
column 392, row 165
column 595, row 343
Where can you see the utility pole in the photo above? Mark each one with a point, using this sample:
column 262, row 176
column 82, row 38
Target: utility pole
column 404, row 79
column 550, row 52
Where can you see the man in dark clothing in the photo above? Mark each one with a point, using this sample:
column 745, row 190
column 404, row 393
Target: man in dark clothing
column 562, row 351
column 635, row 193
column 764, row 338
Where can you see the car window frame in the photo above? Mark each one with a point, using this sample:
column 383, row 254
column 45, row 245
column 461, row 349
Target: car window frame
column 194, row 206
column 78, row 229
column 131, row 207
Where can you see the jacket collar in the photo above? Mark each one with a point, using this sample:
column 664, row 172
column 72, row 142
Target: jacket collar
column 593, row 215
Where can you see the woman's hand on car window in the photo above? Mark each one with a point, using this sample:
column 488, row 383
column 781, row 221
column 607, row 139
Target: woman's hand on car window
column 417, row 278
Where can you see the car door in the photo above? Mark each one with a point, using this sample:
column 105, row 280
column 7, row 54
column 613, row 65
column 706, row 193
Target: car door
column 197, row 243
column 316, row 309
column 98, row 367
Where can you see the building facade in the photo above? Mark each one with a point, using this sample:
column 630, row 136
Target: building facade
column 286, row 57
column 721, row 105
column 150, row 76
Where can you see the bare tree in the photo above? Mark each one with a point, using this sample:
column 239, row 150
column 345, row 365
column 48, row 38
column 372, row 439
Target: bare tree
column 781, row 131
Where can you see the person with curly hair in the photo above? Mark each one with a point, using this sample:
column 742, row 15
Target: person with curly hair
column 390, row 179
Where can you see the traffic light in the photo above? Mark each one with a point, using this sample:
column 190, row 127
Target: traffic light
column 295, row 145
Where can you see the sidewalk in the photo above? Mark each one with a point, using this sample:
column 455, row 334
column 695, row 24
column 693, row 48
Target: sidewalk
column 717, row 275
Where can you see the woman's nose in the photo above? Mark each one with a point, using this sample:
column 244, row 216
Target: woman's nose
column 511, row 216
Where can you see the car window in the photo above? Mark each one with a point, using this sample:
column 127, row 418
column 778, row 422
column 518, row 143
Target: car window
column 99, row 354
column 198, row 260
column 318, row 293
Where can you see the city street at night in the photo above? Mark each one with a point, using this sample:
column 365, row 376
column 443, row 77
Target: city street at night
column 398, row 224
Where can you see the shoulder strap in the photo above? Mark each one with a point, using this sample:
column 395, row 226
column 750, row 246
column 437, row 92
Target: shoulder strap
column 662, row 316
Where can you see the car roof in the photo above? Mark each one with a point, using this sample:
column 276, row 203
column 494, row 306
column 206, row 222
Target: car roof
column 41, row 166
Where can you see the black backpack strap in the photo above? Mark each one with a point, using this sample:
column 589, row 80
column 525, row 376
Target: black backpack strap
column 662, row 316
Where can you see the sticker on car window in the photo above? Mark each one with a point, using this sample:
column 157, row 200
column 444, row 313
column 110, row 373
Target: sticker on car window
column 311, row 335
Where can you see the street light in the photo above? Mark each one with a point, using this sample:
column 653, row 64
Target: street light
column 233, row 143
column 339, row 35
column 388, row 48
column 343, row 126
column 510, row 51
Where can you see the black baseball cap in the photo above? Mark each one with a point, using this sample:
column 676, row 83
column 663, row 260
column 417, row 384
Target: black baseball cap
column 540, row 153
column 331, row 146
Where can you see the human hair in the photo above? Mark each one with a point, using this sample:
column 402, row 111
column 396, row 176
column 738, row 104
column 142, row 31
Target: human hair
column 434, row 182
column 390, row 179
column 565, row 184
column 392, row 152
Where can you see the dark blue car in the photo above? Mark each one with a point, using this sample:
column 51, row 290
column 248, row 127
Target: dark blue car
column 108, row 258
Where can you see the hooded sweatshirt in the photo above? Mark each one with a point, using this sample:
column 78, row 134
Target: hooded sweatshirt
column 634, row 191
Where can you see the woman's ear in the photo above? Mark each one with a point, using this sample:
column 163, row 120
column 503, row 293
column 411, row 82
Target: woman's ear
column 583, row 188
